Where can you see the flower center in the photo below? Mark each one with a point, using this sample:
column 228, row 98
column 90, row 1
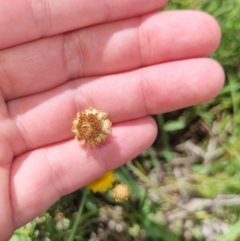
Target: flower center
column 86, row 128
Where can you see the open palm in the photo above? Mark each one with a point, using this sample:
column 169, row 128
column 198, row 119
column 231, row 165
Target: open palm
column 60, row 57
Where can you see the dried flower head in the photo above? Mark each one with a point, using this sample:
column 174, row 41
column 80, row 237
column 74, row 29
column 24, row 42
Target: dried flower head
column 91, row 127
column 121, row 192
column 103, row 183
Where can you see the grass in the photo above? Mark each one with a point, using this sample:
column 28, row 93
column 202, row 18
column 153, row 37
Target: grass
column 184, row 187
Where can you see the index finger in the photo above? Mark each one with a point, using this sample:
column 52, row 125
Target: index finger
column 24, row 21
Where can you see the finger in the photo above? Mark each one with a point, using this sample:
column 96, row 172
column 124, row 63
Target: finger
column 37, row 19
column 6, row 156
column 41, row 177
column 5, row 206
column 46, row 118
column 105, row 49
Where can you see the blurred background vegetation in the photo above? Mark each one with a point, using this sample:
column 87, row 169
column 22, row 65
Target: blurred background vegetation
column 186, row 186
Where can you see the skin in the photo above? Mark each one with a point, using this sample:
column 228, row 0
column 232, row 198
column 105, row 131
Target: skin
column 64, row 56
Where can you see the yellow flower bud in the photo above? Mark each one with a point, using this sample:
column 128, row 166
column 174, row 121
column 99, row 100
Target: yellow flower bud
column 121, row 192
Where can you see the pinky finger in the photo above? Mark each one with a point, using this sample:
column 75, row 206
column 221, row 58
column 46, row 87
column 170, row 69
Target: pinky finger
column 39, row 178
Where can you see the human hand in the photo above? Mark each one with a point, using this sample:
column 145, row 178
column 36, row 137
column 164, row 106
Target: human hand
column 60, row 57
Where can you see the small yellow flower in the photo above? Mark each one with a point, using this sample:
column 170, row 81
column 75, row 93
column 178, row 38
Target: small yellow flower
column 91, row 127
column 103, row 183
column 121, row 192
